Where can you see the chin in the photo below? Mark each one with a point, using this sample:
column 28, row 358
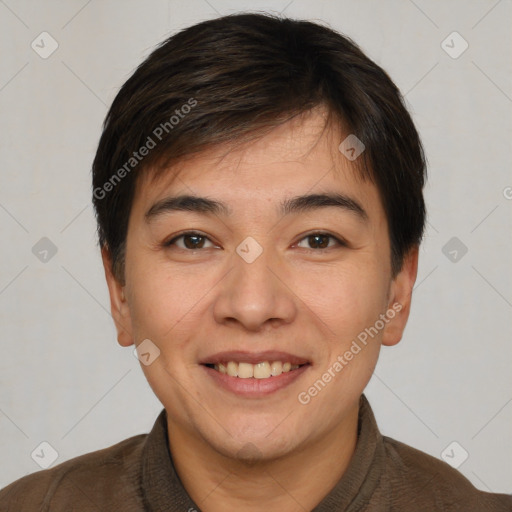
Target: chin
column 253, row 452
column 251, row 445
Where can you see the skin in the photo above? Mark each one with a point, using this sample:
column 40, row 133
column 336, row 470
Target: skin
column 257, row 454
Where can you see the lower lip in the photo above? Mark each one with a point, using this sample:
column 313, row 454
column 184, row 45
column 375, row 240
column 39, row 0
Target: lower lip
column 255, row 387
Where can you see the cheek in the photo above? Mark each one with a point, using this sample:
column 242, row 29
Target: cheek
column 347, row 299
column 159, row 298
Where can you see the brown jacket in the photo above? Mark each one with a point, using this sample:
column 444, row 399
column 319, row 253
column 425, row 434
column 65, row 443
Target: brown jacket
column 138, row 475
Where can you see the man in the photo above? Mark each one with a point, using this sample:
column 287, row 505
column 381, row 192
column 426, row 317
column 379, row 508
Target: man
column 258, row 191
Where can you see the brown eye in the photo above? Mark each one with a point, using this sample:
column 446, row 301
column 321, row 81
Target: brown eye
column 193, row 241
column 190, row 241
column 320, row 241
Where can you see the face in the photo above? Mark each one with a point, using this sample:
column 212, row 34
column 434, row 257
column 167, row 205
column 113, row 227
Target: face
column 257, row 288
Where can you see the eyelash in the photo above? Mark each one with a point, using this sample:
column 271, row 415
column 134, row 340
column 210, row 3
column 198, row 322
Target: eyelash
column 339, row 241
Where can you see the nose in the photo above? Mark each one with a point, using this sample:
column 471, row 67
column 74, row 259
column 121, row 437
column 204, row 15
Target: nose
column 256, row 295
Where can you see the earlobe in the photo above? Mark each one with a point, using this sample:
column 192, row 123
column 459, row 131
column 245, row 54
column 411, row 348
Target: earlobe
column 118, row 304
column 400, row 298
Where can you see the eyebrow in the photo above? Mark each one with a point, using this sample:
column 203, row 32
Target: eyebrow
column 298, row 204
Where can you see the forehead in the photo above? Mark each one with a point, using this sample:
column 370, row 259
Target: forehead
column 298, row 157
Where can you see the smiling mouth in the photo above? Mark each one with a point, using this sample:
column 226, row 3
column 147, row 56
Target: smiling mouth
column 262, row 370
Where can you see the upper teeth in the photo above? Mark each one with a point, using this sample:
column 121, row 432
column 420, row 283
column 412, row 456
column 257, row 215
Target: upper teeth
column 262, row 370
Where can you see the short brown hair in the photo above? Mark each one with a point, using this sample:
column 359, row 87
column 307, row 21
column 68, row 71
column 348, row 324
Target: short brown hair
column 234, row 77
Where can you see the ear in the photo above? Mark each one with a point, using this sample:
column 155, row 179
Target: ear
column 118, row 304
column 400, row 298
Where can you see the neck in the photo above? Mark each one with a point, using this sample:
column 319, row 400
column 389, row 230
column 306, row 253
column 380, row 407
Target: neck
column 295, row 482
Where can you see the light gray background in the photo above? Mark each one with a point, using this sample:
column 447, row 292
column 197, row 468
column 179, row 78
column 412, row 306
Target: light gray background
column 64, row 379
